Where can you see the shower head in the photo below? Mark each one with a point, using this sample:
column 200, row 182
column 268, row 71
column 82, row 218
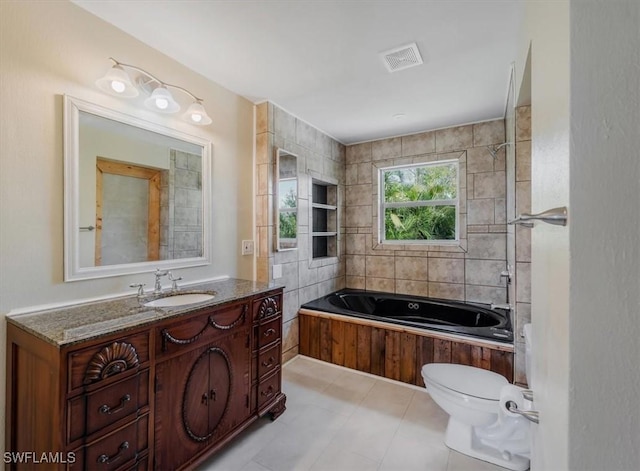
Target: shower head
column 493, row 150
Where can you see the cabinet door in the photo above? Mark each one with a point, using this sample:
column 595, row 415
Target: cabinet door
column 200, row 396
column 195, row 402
column 173, row 446
column 237, row 347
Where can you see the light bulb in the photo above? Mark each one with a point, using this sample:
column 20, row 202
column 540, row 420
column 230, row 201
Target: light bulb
column 162, row 103
column 196, row 114
column 118, row 86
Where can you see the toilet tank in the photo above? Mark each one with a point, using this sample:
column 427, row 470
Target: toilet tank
column 526, row 332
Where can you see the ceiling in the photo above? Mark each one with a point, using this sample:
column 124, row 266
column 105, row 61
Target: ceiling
column 320, row 61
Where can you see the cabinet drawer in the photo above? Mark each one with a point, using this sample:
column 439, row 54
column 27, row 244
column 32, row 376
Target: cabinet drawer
column 268, row 306
column 89, row 413
column 109, row 359
column 269, row 332
column 268, row 389
column 201, row 329
column 116, row 449
column 268, row 360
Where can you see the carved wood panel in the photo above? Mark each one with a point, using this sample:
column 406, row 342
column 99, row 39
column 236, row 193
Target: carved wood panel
column 113, row 359
column 390, row 353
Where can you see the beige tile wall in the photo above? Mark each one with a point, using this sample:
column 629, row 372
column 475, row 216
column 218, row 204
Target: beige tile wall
column 320, row 157
column 523, row 234
column 469, row 271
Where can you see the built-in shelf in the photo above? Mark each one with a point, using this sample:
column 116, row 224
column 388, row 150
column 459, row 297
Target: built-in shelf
column 323, row 234
column 324, row 223
column 324, row 206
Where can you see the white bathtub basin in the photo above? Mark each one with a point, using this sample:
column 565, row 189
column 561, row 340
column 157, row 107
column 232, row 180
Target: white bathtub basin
column 177, row 300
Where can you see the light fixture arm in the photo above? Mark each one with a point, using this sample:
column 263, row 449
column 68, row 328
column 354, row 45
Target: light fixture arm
column 156, row 79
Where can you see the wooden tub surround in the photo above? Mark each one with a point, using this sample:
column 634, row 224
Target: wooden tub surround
column 159, row 391
column 393, row 351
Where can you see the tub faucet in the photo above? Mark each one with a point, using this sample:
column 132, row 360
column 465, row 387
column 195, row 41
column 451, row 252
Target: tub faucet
column 158, row 285
column 506, row 307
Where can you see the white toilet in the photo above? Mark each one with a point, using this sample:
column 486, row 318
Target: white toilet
column 478, row 425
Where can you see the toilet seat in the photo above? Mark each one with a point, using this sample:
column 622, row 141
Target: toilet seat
column 468, row 380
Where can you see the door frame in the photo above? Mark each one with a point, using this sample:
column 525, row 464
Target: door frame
column 153, row 175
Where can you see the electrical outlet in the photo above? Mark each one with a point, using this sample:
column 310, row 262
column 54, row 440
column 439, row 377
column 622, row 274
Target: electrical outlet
column 247, row 247
column 277, row 271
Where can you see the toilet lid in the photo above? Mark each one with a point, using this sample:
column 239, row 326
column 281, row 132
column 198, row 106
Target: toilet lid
column 467, row 380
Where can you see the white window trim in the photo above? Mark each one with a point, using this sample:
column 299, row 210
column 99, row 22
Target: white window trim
column 382, row 205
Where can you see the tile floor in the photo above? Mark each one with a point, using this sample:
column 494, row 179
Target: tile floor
column 342, row 420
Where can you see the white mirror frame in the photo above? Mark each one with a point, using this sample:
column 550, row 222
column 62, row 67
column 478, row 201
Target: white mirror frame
column 72, row 269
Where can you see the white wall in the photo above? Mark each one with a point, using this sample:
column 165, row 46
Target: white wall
column 604, row 377
column 48, row 49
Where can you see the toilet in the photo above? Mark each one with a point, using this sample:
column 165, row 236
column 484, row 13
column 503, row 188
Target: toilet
column 478, row 425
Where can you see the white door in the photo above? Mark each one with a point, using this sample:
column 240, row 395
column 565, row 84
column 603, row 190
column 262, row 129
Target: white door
column 547, row 24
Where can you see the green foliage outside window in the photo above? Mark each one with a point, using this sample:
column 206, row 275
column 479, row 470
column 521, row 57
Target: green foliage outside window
column 288, row 219
column 419, row 203
column 288, row 225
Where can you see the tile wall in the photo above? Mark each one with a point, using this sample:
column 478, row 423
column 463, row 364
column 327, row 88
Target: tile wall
column 319, row 157
column 467, row 271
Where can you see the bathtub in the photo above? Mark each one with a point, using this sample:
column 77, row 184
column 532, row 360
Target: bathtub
column 441, row 315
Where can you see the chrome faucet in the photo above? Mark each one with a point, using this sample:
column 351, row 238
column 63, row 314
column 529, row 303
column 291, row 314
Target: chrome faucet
column 158, row 285
column 174, row 282
column 140, row 287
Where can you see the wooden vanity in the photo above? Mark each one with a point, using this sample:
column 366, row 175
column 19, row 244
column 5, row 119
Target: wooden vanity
column 130, row 388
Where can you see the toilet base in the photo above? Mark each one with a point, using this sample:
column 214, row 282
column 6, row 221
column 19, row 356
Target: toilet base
column 461, row 438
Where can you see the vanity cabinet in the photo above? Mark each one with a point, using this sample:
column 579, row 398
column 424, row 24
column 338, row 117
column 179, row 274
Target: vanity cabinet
column 164, row 395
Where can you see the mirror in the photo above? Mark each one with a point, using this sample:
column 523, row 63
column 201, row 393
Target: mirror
column 286, row 200
column 137, row 194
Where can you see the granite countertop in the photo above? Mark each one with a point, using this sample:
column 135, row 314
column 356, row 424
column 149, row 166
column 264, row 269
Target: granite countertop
column 81, row 322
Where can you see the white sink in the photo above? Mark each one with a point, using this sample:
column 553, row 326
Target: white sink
column 180, row 300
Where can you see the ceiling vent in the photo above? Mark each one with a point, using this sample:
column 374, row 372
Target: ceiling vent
column 402, row 57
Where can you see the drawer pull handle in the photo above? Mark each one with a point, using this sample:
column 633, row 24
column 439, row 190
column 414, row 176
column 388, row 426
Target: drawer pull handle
column 105, row 409
column 269, row 363
column 268, row 392
column 269, row 332
column 205, row 399
column 106, row 459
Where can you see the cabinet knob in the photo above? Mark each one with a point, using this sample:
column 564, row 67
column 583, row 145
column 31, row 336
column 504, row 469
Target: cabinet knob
column 269, row 332
column 268, row 392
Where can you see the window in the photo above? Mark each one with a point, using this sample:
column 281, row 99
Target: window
column 288, row 212
column 419, row 203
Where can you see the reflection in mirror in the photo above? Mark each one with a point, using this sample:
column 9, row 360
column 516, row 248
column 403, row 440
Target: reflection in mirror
column 286, row 198
column 135, row 196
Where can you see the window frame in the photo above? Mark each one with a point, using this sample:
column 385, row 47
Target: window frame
column 383, row 205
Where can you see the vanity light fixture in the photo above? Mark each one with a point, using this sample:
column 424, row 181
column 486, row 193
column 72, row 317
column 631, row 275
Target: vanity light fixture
column 117, row 82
